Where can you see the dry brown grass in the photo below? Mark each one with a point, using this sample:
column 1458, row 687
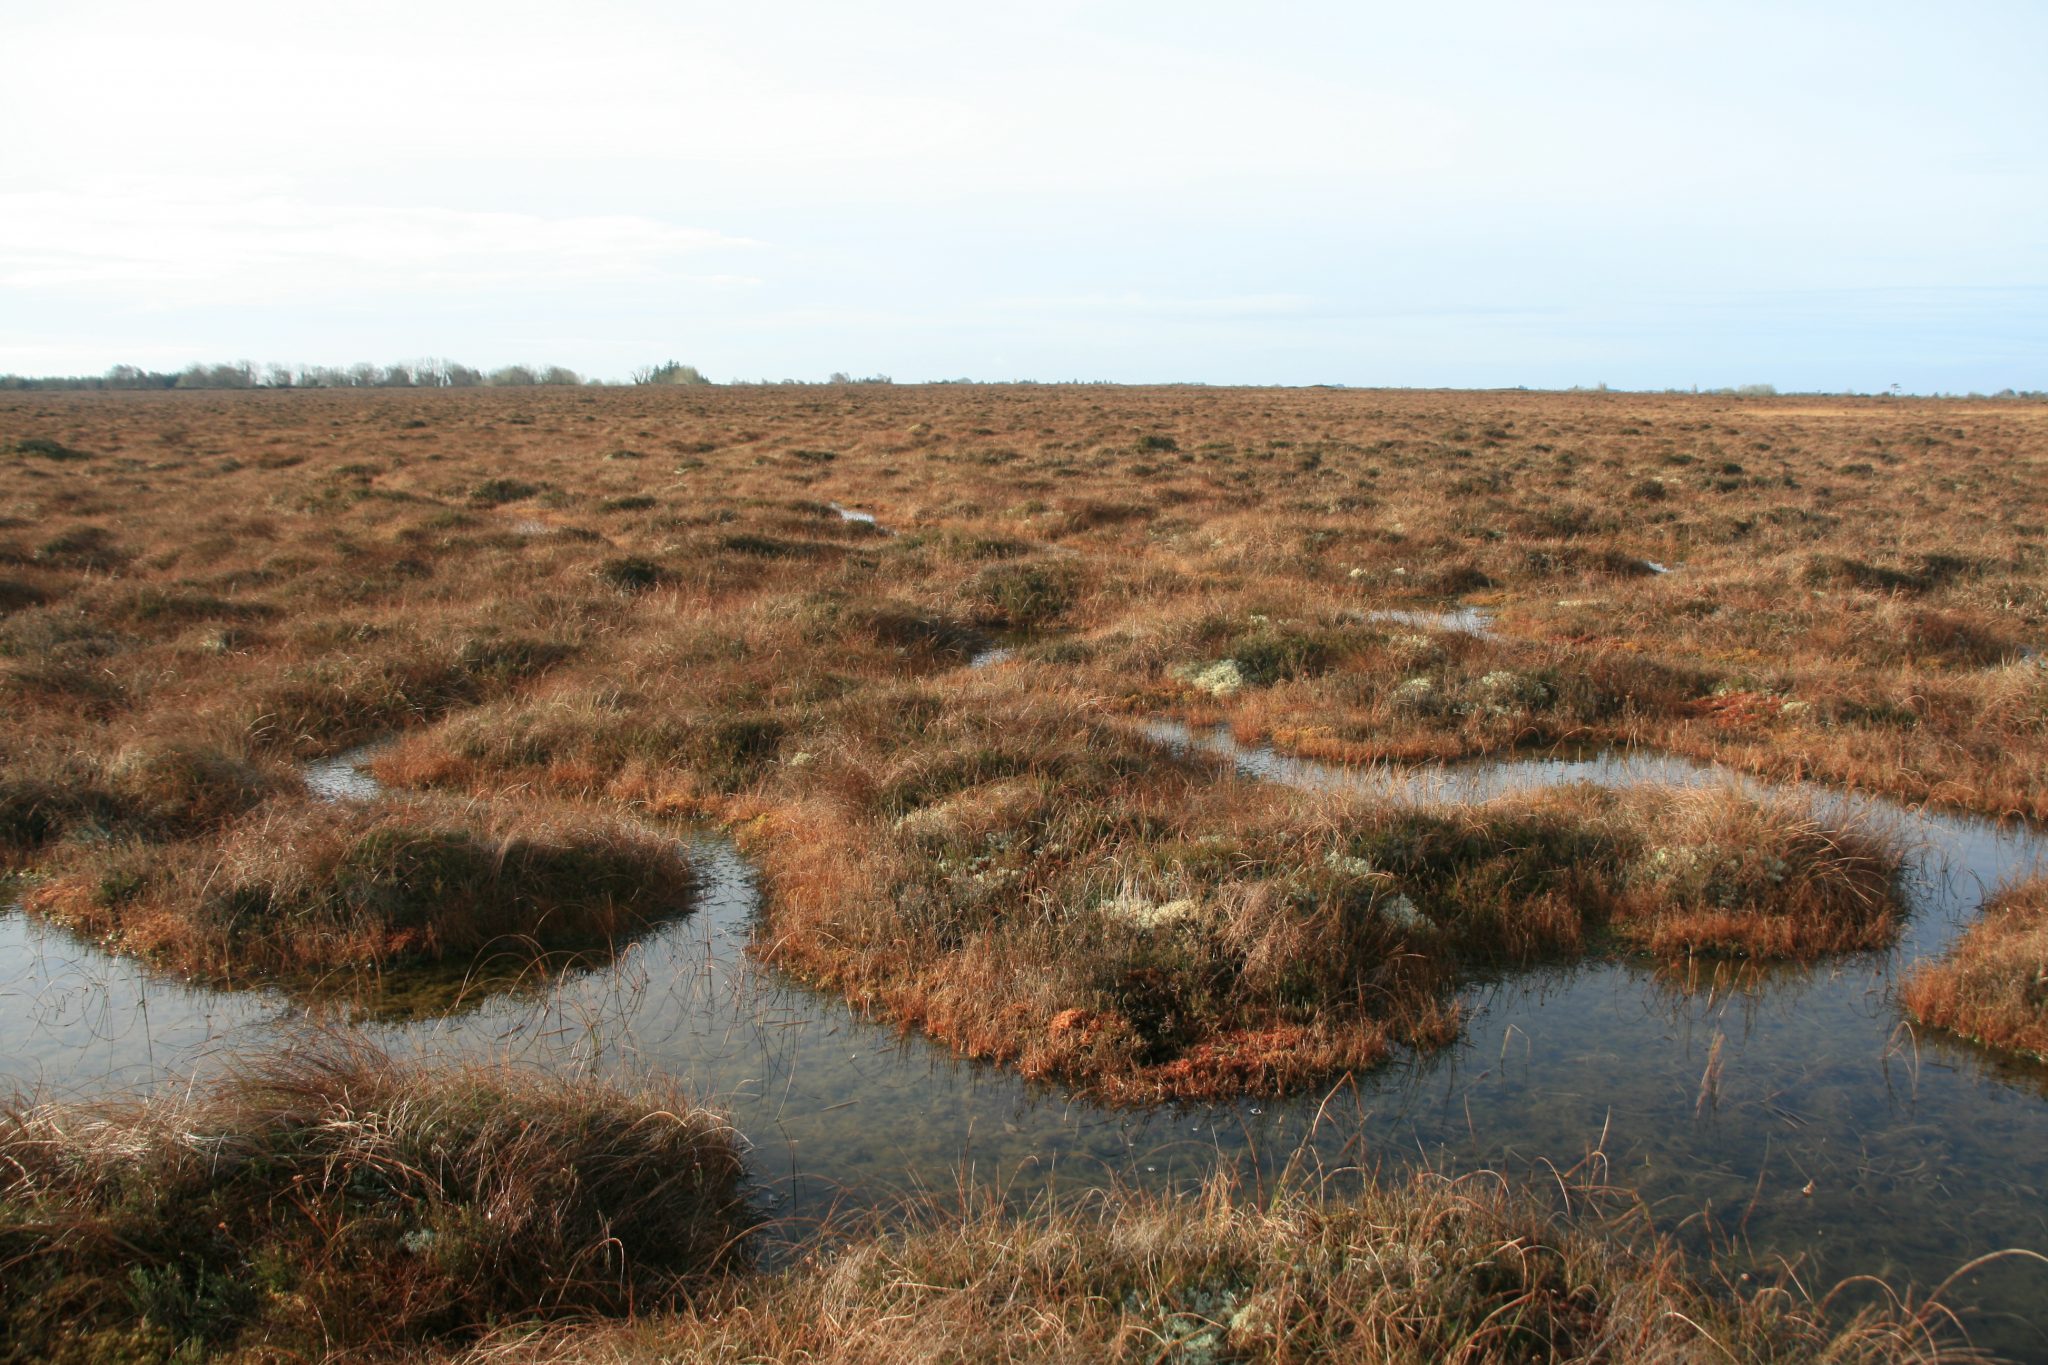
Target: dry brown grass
column 329, row 1203
column 1430, row 1271
column 331, row 1200
column 300, row 889
column 567, row 602
column 312, row 568
column 1762, row 879
column 1035, row 885
column 1993, row 985
column 647, row 598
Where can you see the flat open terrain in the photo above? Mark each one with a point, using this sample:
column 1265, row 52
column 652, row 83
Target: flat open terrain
column 780, row 608
column 939, row 660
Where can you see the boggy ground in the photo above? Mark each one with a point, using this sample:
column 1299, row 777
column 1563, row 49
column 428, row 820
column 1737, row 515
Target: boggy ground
column 1430, row 1271
column 994, row 861
column 629, row 598
column 1993, row 984
column 586, row 611
column 328, row 1203
column 306, row 891
column 1036, row 887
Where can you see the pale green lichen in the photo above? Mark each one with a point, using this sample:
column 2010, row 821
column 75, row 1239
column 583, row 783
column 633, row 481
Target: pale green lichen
column 1220, row 679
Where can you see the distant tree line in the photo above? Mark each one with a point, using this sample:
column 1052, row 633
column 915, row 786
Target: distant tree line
column 408, row 374
column 838, row 377
column 447, row 374
column 246, row 374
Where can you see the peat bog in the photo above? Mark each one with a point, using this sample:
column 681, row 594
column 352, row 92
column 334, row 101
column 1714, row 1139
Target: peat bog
column 1164, row 804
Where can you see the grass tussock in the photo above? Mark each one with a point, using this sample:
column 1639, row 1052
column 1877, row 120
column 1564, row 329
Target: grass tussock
column 37, row 806
column 1718, row 872
column 1052, row 891
column 152, row 789
column 304, row 888
column 1993, row 985
column 1429, row 1271
column 184, row 786
column 330, row 1199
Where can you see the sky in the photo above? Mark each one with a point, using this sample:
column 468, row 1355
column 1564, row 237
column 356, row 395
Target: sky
column 1832, row 196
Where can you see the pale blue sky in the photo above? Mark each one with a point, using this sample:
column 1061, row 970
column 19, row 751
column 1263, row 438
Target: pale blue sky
column 1815, row 195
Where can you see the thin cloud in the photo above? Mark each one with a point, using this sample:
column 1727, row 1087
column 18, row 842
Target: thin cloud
column 1132, row 304
column 272, row 246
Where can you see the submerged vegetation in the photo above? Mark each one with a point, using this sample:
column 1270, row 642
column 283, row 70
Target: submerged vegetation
column 329, row 1202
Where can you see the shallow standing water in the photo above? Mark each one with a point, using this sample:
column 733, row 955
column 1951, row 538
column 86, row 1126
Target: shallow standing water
column 1833, row 1136
column 1461, row 620
column 856, row 515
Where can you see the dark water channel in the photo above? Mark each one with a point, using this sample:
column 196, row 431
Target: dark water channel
column 1831, row 1136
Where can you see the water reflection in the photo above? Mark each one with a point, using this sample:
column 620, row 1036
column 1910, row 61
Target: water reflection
column 1475, row 621
column 342, row 777
column 862, row 518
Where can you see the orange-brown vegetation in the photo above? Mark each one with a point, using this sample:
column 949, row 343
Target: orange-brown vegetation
column 583, row 613
column 302, row 889
column 1037, row 885
column 1993, row 984
column 328, row 1203
column 1408, row 1274
column 650, row 599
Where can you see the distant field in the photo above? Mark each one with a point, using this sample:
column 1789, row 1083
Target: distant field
column 915, row 649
